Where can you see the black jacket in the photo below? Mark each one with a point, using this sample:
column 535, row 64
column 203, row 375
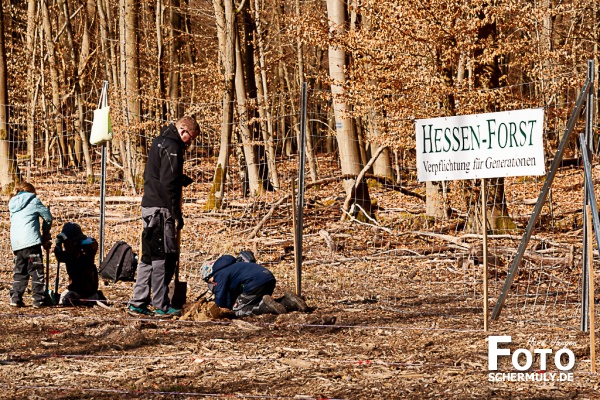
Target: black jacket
column 163, row 175
column 83, row 274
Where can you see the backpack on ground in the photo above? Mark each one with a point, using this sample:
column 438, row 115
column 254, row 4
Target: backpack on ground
column 120, row 263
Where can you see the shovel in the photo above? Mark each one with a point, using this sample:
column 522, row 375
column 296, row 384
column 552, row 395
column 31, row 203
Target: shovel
column 56, row 295
column 178, row 289
column 49, row 294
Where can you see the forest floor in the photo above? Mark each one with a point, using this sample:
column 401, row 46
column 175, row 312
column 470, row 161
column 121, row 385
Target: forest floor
column 391, row 319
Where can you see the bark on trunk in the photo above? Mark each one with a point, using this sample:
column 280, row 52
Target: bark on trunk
column 31, row 86
column 55, row 85
column 81, row 141
column 224, row 14
column 9, row 172
column 345, row 133
column 255, row 185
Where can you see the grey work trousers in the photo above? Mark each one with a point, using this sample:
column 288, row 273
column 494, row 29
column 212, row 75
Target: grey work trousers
column 156, row 275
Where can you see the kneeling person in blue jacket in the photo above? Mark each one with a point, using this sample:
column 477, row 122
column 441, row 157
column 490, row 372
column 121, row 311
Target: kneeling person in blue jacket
column 246, row 287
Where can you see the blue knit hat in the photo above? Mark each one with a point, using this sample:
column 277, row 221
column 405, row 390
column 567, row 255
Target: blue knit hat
column 73, row 231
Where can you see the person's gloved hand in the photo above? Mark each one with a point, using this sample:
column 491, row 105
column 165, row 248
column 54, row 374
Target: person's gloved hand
column 60, row 239
column 46, row 240
column 179, row 223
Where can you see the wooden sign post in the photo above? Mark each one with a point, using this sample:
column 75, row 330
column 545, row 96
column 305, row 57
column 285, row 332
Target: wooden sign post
column 589, row 266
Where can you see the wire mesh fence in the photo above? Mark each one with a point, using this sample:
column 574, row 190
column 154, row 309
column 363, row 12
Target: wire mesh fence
column 403, row 260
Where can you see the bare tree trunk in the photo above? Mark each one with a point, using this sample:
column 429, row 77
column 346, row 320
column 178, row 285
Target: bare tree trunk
column 55, row 85
column 82, row 146
column 434, row 199
column 9, row 171
column 108, row 52
column 437, row 192
column 188, row 45
column 310, row 152
column 288, row 140
column 264, row 103
column 134, row 143
column 84, row 55
column 175, row 28
column 247, row 52
column 224, row 15
column 125, row 138
column 382, row 166
column 31, row 86
column 44, row 111
column 286, row 86
column 160, row 81
column 254, row 181
column 317, row 122
column 362, row 141
column 138, row 141
column 345, row 133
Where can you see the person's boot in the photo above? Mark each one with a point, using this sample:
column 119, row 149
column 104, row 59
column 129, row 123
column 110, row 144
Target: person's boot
column 292, row 302
column 269, row 306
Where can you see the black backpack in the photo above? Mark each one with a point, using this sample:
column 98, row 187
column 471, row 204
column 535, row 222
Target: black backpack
column 120, row 263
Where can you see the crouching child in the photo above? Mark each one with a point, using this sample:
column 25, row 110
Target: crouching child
column 246, row 288
column 78, row 252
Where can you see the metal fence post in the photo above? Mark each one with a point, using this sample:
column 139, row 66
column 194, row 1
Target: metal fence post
column 300, row 208
column 103, row 99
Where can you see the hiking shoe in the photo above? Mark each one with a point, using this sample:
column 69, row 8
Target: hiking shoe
column 18, row 303
column 138, row 311
column 292, row 302
column 171, row 312
column 269, row 306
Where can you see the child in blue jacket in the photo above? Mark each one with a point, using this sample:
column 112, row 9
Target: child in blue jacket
column 26, row 243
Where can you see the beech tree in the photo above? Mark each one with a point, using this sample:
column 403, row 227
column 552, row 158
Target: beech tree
column 345, row 132
column 81, row 146
column 225, row 18
column 55, row 85
column 262, row 95
column 9, row 173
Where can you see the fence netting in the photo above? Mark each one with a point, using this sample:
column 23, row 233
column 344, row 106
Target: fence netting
column 403, row 260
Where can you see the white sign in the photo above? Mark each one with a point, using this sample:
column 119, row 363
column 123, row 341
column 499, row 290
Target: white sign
column 490, row 145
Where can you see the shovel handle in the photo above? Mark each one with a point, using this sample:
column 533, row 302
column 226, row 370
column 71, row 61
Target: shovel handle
column 57, row 277
column 178, row 237
column 47, row 277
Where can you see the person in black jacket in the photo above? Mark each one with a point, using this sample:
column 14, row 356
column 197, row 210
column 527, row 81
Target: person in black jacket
column 245, row 287
column 162, row 218
column 78, row 252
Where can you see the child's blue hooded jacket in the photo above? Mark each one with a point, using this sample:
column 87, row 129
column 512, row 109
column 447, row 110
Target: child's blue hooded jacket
column 25, row 212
